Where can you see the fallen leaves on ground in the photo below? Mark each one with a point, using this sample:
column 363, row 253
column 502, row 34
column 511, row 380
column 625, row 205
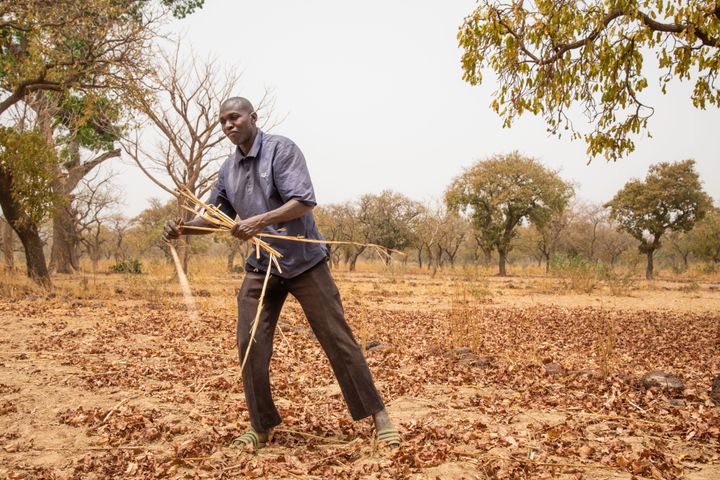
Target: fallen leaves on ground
column 137, row 390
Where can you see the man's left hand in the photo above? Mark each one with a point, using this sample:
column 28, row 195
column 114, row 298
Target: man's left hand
column 246, row 229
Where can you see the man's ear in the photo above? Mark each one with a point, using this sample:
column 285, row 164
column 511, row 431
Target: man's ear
column 253, row 115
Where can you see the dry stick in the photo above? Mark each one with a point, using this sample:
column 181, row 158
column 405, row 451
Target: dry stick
column 542, row 464
column 118, row 405
column 205, row 229
column 329, row 242
column 343, row 450
column 123, row 447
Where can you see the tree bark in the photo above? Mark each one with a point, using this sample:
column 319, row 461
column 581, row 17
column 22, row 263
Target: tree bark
column 64, row 256
column 650, row 267
column 502, row 253
column 26, row 230
column 8, row 245
column 352, row 258
column 547, row 262
column 352, row 262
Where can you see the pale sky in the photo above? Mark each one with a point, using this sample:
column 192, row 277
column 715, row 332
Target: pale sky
column 374, row 98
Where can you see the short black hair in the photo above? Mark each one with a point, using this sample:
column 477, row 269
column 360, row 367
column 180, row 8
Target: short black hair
column 242, row 102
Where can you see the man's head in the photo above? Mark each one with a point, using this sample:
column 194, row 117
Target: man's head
column 238, row 121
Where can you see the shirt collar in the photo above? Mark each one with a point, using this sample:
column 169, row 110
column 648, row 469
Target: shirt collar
column 254, row 150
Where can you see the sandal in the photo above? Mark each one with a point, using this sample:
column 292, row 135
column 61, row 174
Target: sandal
column 248, row 438
column 390, row 437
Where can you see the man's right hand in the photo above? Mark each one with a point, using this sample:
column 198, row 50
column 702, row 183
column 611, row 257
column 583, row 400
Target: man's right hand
column 172, row 230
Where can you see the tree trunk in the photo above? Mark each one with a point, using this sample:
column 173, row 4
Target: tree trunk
column 438, row 257
column 547, row 263
column 64, row 252
column 649, row 268
column 8, row 245
column 352, row 258
column 502, row 271
column 352, row 262
column 34, row 255
column 388, row 258
column 420, row 249
column 27, row 230
column 95, row 257
column 231, row 261
column 183, row 243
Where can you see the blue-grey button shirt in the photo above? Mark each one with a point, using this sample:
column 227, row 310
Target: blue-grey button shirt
column 271, row 174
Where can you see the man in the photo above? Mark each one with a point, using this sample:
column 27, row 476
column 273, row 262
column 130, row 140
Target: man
column 266, row 183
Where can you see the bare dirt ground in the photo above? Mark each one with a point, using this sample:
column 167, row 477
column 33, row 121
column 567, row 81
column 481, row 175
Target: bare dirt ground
column 485, row 378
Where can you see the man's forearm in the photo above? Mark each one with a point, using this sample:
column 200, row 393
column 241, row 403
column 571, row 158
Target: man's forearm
column 289, row 211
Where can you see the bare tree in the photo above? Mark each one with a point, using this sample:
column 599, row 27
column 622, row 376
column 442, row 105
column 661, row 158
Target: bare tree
column 454, row 233
column 180, row 109
column 551, row 233
column 92, row 207
column 428, row 228
column 119, row 225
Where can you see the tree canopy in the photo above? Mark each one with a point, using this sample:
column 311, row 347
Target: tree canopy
column 705, row 237
column 551, row 54
column 503, row 191
column 28, row 165
column 670, row 198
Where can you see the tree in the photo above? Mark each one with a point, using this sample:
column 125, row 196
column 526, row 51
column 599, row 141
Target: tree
column 119, row 225
column 427, row 229
column 76, row 125
column 330, row 221
column 551, row 54
column 705, row 237
column 671, row 198
column 680, row 244
column 92, row 209
column 180, row 105
column 48, row 48
column 551, row 233
column 502, row 192
column 85, row 45
column 26, row 173
column 451, row 234
column 388, row 219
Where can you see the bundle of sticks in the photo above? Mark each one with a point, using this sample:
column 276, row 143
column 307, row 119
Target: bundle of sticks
column 223, row 223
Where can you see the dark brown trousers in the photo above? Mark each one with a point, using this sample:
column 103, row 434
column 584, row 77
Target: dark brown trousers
column 318, row 295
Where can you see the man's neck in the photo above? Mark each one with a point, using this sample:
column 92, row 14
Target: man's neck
column 247, row 146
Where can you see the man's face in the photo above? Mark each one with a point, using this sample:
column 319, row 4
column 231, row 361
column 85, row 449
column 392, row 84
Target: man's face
column 237, row 123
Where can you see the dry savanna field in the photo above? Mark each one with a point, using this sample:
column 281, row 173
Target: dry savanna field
column 486, row 377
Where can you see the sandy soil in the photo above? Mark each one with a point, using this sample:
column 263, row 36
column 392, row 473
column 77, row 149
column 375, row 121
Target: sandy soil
column 110, row 378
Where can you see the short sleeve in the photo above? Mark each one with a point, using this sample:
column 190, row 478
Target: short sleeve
column 291, row 176
column 218, row 195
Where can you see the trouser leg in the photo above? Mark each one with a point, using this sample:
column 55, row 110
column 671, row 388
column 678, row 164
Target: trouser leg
column 256, row 375
column 318, row 295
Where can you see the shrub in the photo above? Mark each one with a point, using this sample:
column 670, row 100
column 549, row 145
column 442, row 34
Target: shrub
column 127, row 266
column 580, row 275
